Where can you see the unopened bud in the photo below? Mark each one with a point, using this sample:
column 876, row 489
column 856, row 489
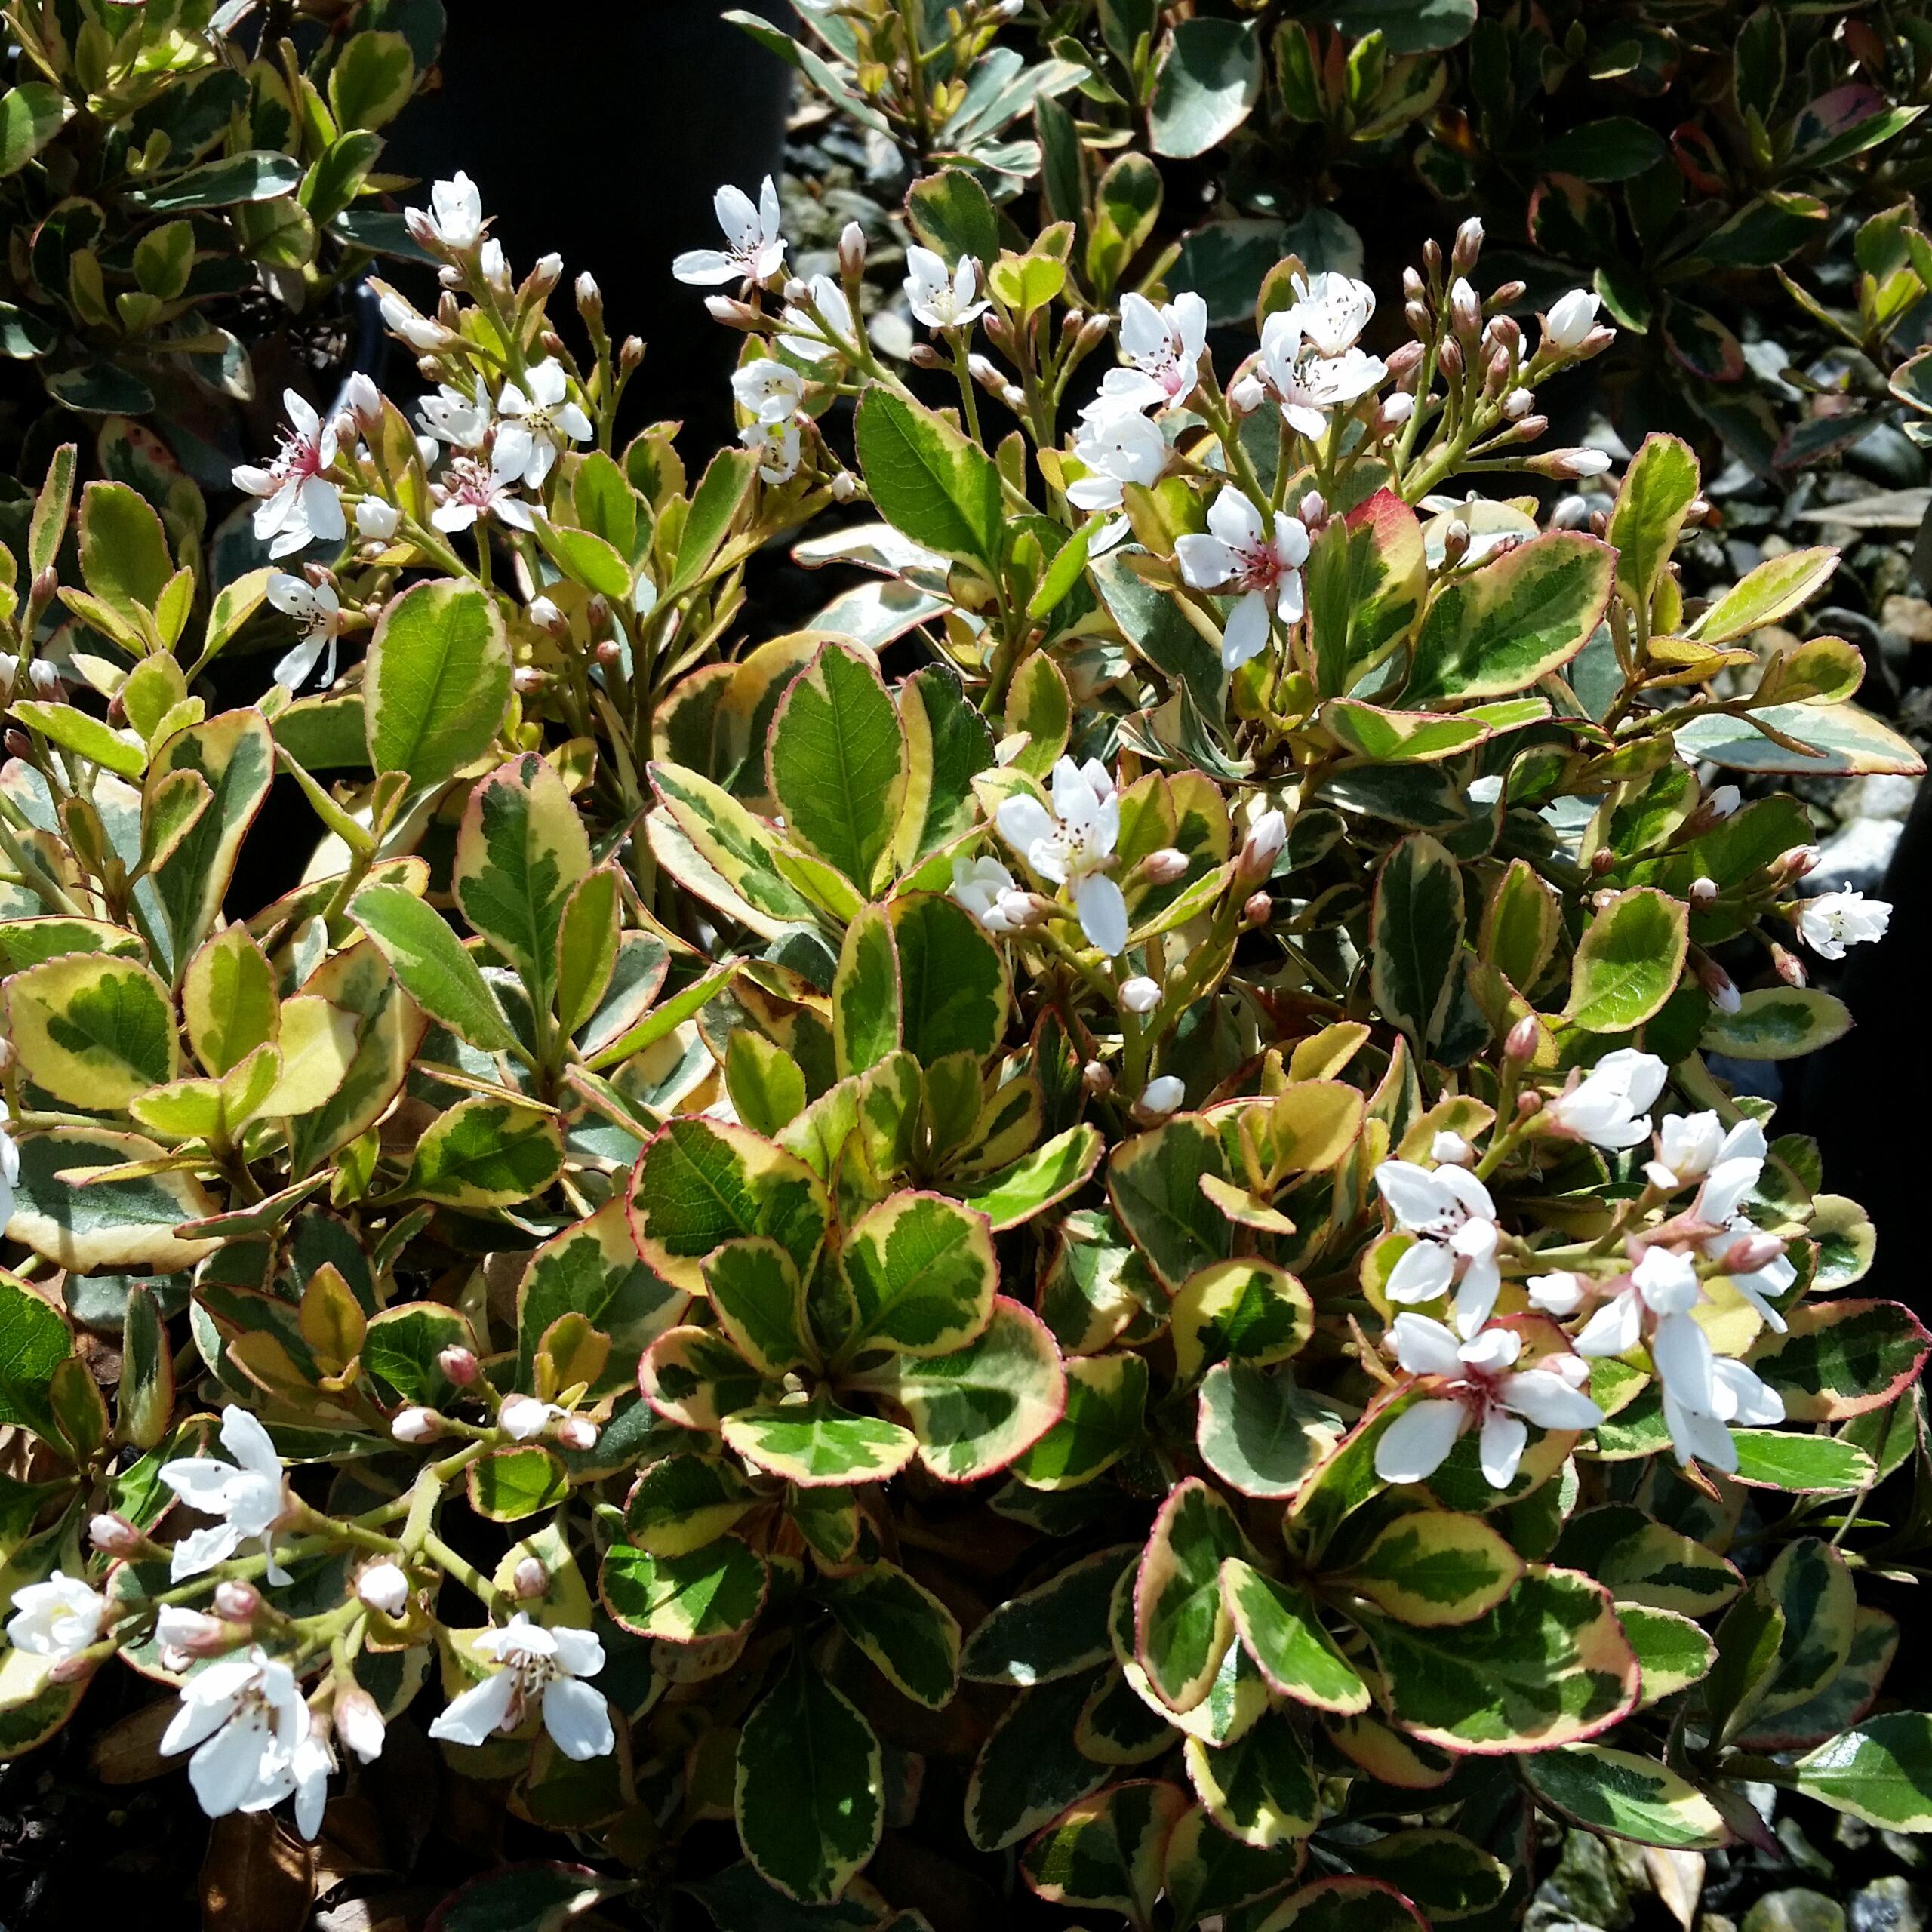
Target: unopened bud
column 589, row 298
column 1506, row 295
column 1405, row 360
column 1014, row 397
column 1719, row 987
column 985, row 373
column 114, row 1536
column 1703, row 892
column 1530, row 429
column 1723, row 800
column 1595, row 342
column 1455, row 541
column 1140, row 994
column 460, row 1364
column 358, row 1720
column 1259, row 909
column 630, row 352
column 1414, row 288
column 1165, row 866
column 1465, row 310
column 1790, row 968
column 1496, row 370
column 1504, row 332
column 1096, row 1079
column 545, row 275
column 1313, row 508
column 71, row 1670
column 1571, row 512
column 1160, row 1098
column 844, row 487
column 1787, row 868
column 363, row 399
column 798, row 291
column 852, row 252
column 1395, row 410
column 1449, row 356
column 1564, row 464
column 530, row 1579
column 609, row 652
column 185, row 1634
column 237, row 1602
column 376, row 519
column 1749, row 1253
column 527, row 678
column 1449, row 1149
column 384, row 1586
column 924, row 356
column 44, row 678
column 1261, row 848
column 1520, row 1043
column 1468, row 245
column 416, row 1425
column 1518, row 403
column 1416, row 314
column 578, row 1432
column 1602, row 859
column 18, row 744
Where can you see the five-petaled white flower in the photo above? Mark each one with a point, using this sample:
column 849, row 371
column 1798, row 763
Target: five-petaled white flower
column 57, row 1619
column 1241, row 554
column 461, row 421
column 940, row 300
column 990, row 893
column 770, row 389
column 1571, row 318
column 1306, row 384
column 318, row 613
column 1481, row 1390
column 536, row 1666
column 470, row 490
column 779, row 449
column 1163, row 347
column 538, row 423
column 1331, row 310
column 1835, row 920
column 248, row 1494
column 1118, row 446
column 754, row 248
column 1691, row 1146
column 300, row 506
column 254, row 1741
column 803, row 334
column 1720, row 1202
column 455, row 213
column 1073, row 845
column 1451, row 1212
column 1610, row 1107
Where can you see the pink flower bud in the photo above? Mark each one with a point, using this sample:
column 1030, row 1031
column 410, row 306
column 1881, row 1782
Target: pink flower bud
column 1468, row 245
column 460, row 1364
column 71, row 1670
column 359, row 1722
column 384, row 1586
column 732, row 313
column 852, row 252
column 1465, row 309
column 1261, row 848
column 416, row 1425
column 1790, row 968
column 1748, row 1253
column 1165, row 866
column 1312, row 508
column 1703, row 892
column 530, row 1579
column 114, row 1536
column 236, row 1602
column 578, row 1432
column 1258, row 909
column 1405, row 360
column 1096, row 1079
column 1521, row 1044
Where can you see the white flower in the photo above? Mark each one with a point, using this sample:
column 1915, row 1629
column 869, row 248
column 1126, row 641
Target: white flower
column 1073, row 844
column 1451, row 1212
column 1835, row 920
column 1610, row 1107
column 1692, row 1145
column 780, row 449
column 1140, row 994
column 940, row 300
column 1479, row 1390
column 375, row 519
column 248, row 1494
column 300, row 506
column 540, row 1666
column 1163, row 347
column 468, row 492
column 57, row 1619
column 1736, row 1394
column 1306, row 384
column 384, row 1586
column 539, row 424
column 455, row 213
column 1560, row 1294
column 1163, row 1096
column 754, row 248
column 415, row 329
column 245, row 1721
column 990, row 893
column 1571, row 319
column 318, row 613
column 524, row 1417
column 1662, row 1290
column 1241, row 553
column 1736, row 1171
column 1331, row 311
column 771, row 390
column 450, row 417
column 1118, row 446
column 804, row 337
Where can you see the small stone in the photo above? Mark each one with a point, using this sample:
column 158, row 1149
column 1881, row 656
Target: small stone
column 1886, row 794
column 1855, row 859
column 1852, row 1833
column 1802, row 1852
column 1795, row 1911
column 1887, row 1905
column 1908, row 617
column 1587, row 1885
column 1910, row 1852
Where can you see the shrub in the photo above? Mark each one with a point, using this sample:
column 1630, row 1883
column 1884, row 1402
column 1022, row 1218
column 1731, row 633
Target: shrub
column 1697, row 166
column 1124, row 1247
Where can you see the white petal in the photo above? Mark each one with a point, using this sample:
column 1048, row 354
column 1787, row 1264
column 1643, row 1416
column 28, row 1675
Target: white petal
column 200, row 1482
column 1413, row 1445
column 227, row 1770
column 1424, row 1273
column 1503, row 1436
column 1235, row 521
column 1102, row 909
column 244, row 1438
column 1476, row 1297
column 1424, row 1347
column 1547, row 1401
column 1418, row 1197
column 1491, row 1352
column 579, row 1651
column 577, row 1719
column 1205, row 561
column 475, row 1717
column 704, row 267
column 1682, row 1352
column 1246, row 635
column 1614, row 1329
column 202, row 1549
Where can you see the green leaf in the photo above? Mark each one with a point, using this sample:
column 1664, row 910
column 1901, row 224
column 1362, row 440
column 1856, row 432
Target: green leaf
column 1512, row 620
column 952, row 982
column 436, row 682
column 1842, row 740
column 521, row 852
column 93, row 1032
column 1839, row 1359
column 1107, row 1399
column 1053, row 1631
column 588, row 943
column 811, row 1796
column 1260, row 1787
column 1416, row 936
column 903, row 1627
column 1641, row 1561
column 1777, row 1022
column 262, row 177
column 1127, row 203
column 1281, row 1631
column 1880, row 1771
column 1365, row 580
column 681, row 1503
column 865, row 994
column 1153, row 1182
column 1260, row 1433
column 372, row 80
column 1657, row 491
column 819, row 1446
column 1628, row 962
column 1030, row 1769
column 1407, row 26
column 760, row 1303
column 1345, row 1905
column 34, row 1341
column 1769, row 1458
column 839, row 766
column 486, row 1153
column 1208, row 81
column 724, row 487
column 710, row 1592
column 952, row 215
column 31, row 114
column 434, row 969
column 124, row 549
column 921, row 1275
column 1182, row 1627
column 1036, row 1181
column 400, row 1349
column 1625, row 1796
column 512, row 1483
column 104, row 1225
column 1108, row 1853
column 1441, row 1872
column 1777, row 587
column 929, row 482
column 1550, row 1665
column 1432, row 1568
